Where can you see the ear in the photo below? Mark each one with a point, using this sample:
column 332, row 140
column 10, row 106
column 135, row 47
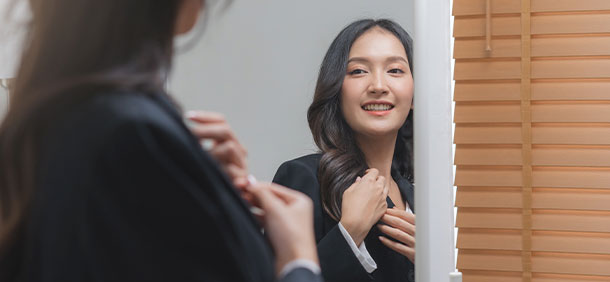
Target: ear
column 188, row 12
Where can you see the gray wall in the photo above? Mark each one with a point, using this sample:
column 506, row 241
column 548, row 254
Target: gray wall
column 257, row 63
column 3, row 103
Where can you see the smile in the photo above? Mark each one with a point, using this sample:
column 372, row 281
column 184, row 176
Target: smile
column 377, row 107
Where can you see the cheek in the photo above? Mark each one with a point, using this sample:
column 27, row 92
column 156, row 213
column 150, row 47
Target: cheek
column 350, row 94
column 350, row 101
column 404, row 91
column 350, row 89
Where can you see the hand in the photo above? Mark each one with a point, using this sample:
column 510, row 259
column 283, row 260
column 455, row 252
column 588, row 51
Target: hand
column 288, row 220
column 363, row 204
column 226, row 149
column 400, row 226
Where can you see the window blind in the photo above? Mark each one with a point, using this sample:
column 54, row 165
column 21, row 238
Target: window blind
column 532, row 135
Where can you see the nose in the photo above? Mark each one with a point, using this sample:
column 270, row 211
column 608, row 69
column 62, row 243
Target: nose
column 378, row 84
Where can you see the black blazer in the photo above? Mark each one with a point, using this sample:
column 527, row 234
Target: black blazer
column 337, row 260
column 127, row 194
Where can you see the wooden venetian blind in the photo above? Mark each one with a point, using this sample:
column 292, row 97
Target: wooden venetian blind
column 532, row 139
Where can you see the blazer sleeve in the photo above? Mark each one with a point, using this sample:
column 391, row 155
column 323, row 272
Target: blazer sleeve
column 301, row 275
column 337, row 260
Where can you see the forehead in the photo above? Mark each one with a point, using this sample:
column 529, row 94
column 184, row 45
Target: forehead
column 377, row 43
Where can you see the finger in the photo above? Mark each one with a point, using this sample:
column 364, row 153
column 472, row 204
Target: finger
column 205, row 117
column 396, row 222
column 409, row 217
column 381, row 182
column 241, row 183
column 371, row 174
column 263, row 196
column 218, row 132
column 397, row 234
column 286, row 194
column 398, row 247
column 229, row 152
column 249, row 198
column 358, row 179
column 236, row 172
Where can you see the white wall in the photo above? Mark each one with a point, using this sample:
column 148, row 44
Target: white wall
column 258, row 62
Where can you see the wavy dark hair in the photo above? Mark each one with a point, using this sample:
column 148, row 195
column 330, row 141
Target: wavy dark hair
column 74, row 49
column 342, row 160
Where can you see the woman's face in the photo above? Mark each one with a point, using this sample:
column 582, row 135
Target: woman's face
column 377, row 90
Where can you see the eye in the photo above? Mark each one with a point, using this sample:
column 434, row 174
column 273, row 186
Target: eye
column 396, row 71
column 357, row 71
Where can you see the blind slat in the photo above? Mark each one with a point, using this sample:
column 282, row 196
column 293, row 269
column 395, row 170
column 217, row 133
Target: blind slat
column 541, row 91
column 541, row 262
column 491, row 155
column 489, row 260
column 541, row 47
column 503, row 91
column 542, row 198
column 583, row 90
column 508, row 134
column 584, row 68
column 562, row 134
column 509, row 177
column 541, row 25
column 480, row 113
column 548, row 113
column 542, row 241
column 506, row 276
column 581, row 134
column 473, row 70
column 550, row 220
column 547, row 69
column 571, row 263
column 477, row 7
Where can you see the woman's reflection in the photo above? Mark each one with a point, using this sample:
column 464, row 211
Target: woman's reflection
column 360, row 182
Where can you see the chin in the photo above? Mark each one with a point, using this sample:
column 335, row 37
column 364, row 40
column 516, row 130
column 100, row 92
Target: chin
column 380, row 132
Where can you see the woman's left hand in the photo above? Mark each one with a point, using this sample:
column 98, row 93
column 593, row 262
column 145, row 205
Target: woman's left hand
column 400, row 226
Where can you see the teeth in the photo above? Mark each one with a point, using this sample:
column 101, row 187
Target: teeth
column 377, row 107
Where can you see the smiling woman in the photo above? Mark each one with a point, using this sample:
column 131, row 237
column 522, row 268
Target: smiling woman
column 360, row 182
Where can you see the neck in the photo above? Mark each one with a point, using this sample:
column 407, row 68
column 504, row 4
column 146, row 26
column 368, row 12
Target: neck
column 378, row 152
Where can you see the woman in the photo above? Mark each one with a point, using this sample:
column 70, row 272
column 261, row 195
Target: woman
column 100, row 179
column 361, row 181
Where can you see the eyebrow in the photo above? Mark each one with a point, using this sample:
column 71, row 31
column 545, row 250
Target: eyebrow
column 389, row 59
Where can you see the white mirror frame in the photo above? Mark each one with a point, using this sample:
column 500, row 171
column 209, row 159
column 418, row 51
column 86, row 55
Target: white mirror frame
column 435, row 249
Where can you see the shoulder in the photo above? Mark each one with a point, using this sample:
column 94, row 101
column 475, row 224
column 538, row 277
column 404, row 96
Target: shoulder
column 117, row 126
column 122, row 108
column 307, row 162
column 300, row 173
column 111, row 115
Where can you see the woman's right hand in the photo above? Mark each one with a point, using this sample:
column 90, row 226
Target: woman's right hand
column 364, row 203
column 288, row 221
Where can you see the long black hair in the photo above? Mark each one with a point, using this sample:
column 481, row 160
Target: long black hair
column 74, row 48
column 342, row 160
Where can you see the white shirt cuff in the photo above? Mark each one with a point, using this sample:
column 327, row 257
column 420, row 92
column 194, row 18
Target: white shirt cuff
column 298, row 263
column 362, row 254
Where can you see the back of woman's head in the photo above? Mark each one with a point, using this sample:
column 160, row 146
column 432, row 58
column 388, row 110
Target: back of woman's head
column 74, row 48
column 342, row 161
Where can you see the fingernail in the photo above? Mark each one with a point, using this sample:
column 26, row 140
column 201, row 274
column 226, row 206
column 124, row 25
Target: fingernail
column 251, row 179
column 358, row 178
column 190, row 114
